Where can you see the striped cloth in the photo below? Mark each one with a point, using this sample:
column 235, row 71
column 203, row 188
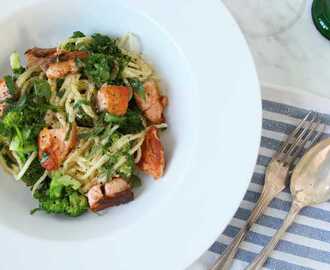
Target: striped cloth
column 307, row 244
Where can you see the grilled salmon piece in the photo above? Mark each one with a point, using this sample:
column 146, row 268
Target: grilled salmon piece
column 154, row 104
column 65, row 63
column 113, row 193
column 113, row 99
column 55, row 63
column 53, row 144
column 152, row 160
column 40, row 57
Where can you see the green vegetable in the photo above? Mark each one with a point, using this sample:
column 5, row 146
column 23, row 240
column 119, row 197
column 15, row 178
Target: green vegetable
column 105, row 61
column 127, row 168
column 73, row 204
column 12, row 119
column 77, row 34
column 42, row 88
column 84, row 120
column 97, row 68
column 10, row 84
column 134, row 181
column 61, row 196
column 105, row 45
column 33, row 173
column 35, row 210
column 59, row 182
column 44, row 157
column 24, row 118
column 138, row 87
column 77, row 204
column 77, row 42
column 15, row 64
column 22, row 144
column 59, row 83
column 81, row 102
column 131, row 122
column 93, row 133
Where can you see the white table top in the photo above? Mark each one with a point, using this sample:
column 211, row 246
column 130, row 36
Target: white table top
column 298, row 57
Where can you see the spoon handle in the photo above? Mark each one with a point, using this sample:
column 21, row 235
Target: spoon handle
column 259, row 261
column 225, row 261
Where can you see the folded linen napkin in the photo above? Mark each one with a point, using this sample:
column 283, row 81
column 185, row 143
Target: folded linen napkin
column 306, row 245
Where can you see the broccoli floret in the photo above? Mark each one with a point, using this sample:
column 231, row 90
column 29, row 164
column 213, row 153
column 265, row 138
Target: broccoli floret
column 71, row 203
column 12, row 119
column 61, row 196
column 59, row 182
column 57, row 206
column 77, row 204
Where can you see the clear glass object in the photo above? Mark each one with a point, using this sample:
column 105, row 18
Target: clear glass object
column 260, row 18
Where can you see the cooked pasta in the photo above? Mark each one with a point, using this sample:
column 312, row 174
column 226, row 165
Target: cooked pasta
column 79, row 119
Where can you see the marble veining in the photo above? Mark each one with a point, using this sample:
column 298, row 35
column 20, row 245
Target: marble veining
column 286, row 52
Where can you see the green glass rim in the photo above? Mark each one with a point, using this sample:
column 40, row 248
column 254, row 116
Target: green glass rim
column 320, row 18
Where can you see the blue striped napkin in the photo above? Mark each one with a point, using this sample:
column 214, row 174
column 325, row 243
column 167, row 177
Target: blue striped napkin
column 307, row 244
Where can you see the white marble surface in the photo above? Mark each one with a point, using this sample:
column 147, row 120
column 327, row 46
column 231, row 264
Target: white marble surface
column 297, row 57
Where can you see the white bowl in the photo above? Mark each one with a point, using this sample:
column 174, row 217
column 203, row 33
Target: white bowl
column 211, row 145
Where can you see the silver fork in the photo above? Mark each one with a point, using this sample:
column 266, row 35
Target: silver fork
column 276, row 178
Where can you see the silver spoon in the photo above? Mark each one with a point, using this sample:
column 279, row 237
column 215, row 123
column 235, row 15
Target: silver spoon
column 310, row 184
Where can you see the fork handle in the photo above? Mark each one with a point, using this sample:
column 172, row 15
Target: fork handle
column 259, row 261
column 225, row 261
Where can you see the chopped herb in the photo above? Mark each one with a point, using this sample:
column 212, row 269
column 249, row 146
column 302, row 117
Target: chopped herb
column 137, row 87
column 68, row 133
column 97, row 67
column 59, row 83
column 89, row 134
column 110, row 118
column 10, row 84
column 35, row 210
column 77, row 34
column 131, row 122
column 33, row 173
column 83, row 119
column 42, row 88
column 80, row 102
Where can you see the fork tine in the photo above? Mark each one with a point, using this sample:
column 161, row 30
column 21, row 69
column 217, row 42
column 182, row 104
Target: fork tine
column 294, row 132
column 318, row 135
column 303, row 133
column 302, row 142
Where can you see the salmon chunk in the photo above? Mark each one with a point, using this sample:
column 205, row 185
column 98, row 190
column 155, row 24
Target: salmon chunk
column 113, row 99
column 154, row 104
column 113, row 193
column 152, row 160
column 54, row 147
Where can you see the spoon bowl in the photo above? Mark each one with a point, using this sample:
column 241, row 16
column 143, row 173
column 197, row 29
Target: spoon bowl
column 310, row 181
